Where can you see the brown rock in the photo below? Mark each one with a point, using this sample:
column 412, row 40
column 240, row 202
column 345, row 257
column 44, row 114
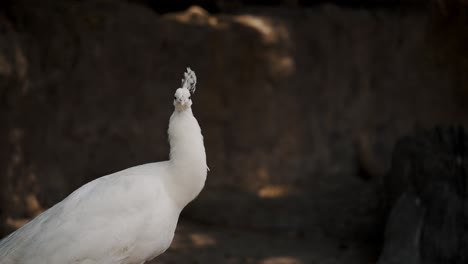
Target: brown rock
column 284, row 99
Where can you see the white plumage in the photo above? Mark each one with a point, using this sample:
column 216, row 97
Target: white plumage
column 128, row 217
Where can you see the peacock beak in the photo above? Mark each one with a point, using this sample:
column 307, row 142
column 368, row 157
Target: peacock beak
column 182, row 102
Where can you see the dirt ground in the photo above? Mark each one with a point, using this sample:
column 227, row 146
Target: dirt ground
column 195, row 243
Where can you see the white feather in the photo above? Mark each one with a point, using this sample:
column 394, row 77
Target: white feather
column 123, row 218
column 189, row 81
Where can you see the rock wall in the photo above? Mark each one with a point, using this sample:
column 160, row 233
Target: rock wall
column 300, row 108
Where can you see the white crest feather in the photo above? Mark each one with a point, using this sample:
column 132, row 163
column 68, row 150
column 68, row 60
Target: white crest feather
column 189, row 81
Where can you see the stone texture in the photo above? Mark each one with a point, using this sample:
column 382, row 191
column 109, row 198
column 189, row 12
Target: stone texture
column 195, row 243
column 300, row 108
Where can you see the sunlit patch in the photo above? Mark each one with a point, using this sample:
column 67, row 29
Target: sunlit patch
column 180, row 242
column 32, row 205
column 33, row 208
column 281, row 260
column 274, row 191
column 272, row 32
column 17, row 222
column 260, row 24
column 202, row 240
column 195, row 15
column 282, row 65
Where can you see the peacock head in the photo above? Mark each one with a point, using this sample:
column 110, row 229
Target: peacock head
column 182, row 99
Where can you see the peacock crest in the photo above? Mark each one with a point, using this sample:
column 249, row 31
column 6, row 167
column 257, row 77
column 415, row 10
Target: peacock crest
column 189, row 81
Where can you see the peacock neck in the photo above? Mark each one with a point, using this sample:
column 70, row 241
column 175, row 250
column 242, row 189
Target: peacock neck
column 187, row 157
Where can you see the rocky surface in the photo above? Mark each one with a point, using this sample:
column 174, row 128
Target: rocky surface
column 196, row 243
column 300, row 108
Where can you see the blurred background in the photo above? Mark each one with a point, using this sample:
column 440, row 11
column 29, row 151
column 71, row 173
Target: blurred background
column 300, row 102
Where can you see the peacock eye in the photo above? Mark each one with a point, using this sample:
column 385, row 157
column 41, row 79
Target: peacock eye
column 175, row 97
